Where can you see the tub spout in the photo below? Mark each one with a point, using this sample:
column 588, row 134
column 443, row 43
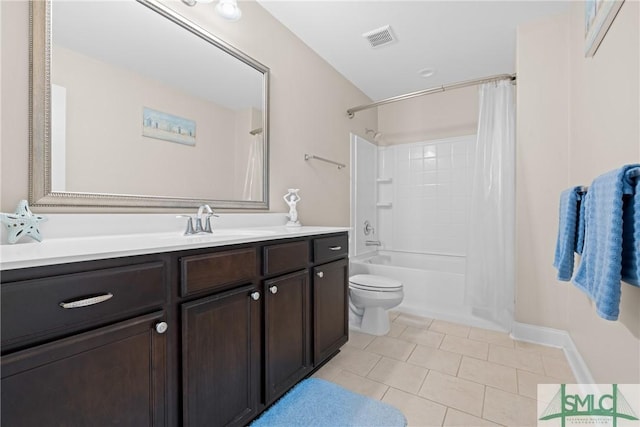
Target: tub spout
column 372, row 243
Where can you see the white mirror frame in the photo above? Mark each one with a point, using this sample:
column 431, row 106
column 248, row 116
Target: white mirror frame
column 40, row 193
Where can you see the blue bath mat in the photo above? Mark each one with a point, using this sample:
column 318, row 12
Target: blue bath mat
column 319, row 403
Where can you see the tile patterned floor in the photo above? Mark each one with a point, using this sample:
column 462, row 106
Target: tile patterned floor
column 445, row 374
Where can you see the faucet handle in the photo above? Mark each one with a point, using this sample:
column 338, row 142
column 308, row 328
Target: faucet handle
column 368, row 229
column 207, row 222
column 189, row 229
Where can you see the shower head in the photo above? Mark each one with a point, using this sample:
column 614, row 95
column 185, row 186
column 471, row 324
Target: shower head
column 376, row 134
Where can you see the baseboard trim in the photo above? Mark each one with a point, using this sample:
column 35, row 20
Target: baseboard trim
column 555, row 338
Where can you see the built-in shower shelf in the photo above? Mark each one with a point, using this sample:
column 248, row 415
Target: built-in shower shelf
column 384, row 180
column 384, row 204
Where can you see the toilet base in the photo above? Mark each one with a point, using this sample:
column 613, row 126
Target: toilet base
column 375, row 321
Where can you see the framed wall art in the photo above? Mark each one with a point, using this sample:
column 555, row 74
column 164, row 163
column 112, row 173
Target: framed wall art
column 599, row 15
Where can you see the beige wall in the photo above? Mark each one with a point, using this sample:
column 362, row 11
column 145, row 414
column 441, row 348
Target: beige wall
column 577, row 118
column 308, row 105
column 441, row 115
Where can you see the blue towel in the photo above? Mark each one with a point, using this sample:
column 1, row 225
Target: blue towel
column 600, row 270
column 631, row 232
column 319, row 403
column 581, row 215
column 567, row 242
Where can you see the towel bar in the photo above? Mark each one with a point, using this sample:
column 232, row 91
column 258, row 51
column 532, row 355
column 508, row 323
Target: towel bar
column 311, row 156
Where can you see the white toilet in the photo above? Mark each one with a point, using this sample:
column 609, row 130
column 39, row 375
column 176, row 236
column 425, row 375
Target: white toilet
column 369, row 299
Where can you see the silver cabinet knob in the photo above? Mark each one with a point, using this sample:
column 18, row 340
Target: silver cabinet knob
column 273, row 289
column 161, row 327
column 255, row 296
column 320, row 274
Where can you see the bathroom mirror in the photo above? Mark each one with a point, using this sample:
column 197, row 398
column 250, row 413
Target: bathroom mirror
column 133, row 105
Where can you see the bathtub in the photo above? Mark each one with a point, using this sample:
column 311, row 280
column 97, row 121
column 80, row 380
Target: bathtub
column 433, row 284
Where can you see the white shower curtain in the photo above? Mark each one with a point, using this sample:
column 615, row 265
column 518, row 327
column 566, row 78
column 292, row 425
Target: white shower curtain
column 253, row 179
column 489, row 276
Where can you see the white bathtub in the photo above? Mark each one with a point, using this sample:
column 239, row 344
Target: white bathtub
column 433, row 284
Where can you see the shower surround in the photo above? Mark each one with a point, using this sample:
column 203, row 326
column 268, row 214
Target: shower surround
column 417, row 198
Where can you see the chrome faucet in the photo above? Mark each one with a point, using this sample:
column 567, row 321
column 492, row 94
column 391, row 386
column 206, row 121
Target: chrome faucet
column 207, row 222
column 198, row 227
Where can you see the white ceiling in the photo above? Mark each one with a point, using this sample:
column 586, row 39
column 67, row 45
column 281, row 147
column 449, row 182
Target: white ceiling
column 462, row 40
column 133, row 37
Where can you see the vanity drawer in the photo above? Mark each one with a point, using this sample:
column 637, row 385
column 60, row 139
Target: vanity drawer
column 330, row 248
column 286, row 257
column 33, row 310
column 217, row 270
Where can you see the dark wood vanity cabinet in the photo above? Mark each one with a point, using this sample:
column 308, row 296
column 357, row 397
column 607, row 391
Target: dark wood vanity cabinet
column 331, row 305
column 287, row 315
column 245, row 323
column 287, row 332
column 85, row 344
column 247, row 345
column 221, row 339
column 114, row 375
column 221, row 356
column 330, row 296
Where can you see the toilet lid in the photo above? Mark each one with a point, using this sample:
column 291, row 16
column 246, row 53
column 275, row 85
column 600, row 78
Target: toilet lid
column 374, row 283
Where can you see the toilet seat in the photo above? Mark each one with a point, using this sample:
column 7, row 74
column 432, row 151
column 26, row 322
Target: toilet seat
column 370, row 282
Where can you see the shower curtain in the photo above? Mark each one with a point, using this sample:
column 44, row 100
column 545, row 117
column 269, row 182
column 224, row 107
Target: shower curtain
column 489, row 288
column 252, row 190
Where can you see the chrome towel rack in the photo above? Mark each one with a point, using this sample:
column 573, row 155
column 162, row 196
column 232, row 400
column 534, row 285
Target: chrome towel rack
column 311, row 156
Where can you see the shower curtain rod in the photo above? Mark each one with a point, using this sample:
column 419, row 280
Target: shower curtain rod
column 351, row 111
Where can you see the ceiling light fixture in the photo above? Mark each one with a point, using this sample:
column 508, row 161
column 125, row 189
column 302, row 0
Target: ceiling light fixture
column 227, row 9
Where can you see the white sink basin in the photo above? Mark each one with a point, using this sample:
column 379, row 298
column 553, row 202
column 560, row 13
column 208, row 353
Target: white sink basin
column 229, row 234
column 225, row 232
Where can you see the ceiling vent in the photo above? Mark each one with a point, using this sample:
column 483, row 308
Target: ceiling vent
column 380, row 36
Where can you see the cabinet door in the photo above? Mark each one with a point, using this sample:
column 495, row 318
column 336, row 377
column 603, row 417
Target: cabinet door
column 114, row 375
column 287, row 332
column 221, row 358
column 330, row 308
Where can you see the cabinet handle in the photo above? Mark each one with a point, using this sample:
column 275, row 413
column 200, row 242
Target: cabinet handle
column 86, row 301
column 161, row 327
column 255, row 296
column 273, row 289
column 320, row 274
column 335, row 248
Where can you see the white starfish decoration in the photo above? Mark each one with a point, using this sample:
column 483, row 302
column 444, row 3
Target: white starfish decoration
column 23, row 222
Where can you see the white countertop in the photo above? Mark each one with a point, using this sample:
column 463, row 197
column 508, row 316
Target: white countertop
column 61, row 250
